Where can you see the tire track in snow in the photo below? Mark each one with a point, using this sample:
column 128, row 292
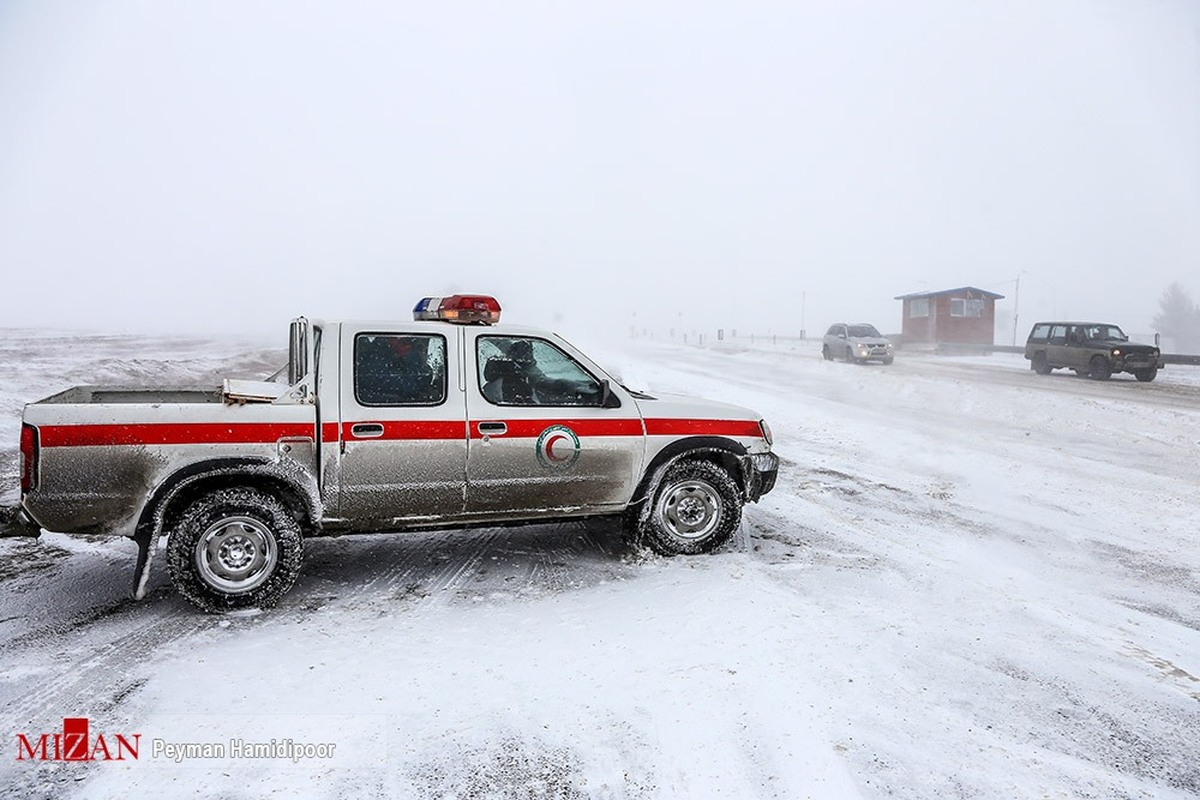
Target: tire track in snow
column 425, row 570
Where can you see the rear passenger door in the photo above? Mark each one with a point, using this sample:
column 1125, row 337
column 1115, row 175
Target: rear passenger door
column 402, row 427
column 1057, row 353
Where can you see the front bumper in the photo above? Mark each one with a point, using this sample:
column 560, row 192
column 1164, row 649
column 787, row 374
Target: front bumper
column 1133, row 362
column 877, row 352
column 759, row 471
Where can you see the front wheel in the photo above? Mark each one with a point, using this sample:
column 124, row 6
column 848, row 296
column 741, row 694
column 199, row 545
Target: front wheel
column 1146, row 375
column 826, row 353
column 235, row 548
column 1099, row 369
column 696, row 509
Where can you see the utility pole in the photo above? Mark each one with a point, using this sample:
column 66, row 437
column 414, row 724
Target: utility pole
column 803, row 333
column 1016, row 308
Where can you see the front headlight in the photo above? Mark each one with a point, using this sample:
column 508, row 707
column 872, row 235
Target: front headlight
column 766, row 432
column 1116, row 352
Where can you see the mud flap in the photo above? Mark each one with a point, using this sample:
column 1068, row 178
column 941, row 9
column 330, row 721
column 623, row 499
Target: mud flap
column 147, row 543
column 15, row 522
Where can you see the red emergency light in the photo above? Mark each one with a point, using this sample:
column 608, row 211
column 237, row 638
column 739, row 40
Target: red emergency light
column 461, row 308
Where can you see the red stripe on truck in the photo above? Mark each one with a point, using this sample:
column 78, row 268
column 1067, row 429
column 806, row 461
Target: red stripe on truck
column 532, row 428
column 702, row 427
column 410, row 429
column 268, row 432
column 171, row 433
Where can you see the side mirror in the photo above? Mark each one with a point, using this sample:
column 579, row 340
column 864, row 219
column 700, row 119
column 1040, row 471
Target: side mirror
column 607, row 398
column 297, row 350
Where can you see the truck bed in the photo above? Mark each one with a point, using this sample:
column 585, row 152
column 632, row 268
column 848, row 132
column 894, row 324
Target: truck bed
column 89, row 395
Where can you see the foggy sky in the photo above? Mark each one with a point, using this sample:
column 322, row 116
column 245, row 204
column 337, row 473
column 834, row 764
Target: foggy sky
column 224, row 166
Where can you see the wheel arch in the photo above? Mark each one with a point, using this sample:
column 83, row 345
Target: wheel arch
column 184, row 486
column 725, row 453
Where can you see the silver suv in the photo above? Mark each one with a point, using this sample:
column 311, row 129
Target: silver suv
column 859, row 343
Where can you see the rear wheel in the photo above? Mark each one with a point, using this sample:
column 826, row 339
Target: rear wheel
column 235, row 548
column 1099, row 369
column 1040, row 365
column 1146, row 375
column 696, row 509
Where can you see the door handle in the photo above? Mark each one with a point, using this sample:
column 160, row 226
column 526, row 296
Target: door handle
column 366, row 430
column 493, row 428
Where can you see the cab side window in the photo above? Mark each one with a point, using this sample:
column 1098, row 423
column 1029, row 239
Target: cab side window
column 1058, row 334
column 399, row 369
column 1040, row 333
column 525, row 371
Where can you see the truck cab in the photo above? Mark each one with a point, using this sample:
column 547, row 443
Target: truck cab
column 451, row 419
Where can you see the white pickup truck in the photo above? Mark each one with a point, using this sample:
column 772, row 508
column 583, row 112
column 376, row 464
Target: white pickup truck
column 451, row 420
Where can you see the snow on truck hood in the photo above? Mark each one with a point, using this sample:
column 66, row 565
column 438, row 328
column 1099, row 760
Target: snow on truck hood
column 670, row 406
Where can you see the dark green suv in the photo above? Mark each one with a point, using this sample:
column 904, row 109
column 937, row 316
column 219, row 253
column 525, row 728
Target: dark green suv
column 1095, row 349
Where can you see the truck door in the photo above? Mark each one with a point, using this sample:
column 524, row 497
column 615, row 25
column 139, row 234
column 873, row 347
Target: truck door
column 1076, row 354
column 402, row 426
column 541, row 438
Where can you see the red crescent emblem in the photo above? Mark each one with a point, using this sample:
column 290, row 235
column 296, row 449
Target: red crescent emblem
column 558, row 437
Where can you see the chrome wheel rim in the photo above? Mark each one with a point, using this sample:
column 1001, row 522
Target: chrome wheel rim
column 690, row 510
column 236, row 554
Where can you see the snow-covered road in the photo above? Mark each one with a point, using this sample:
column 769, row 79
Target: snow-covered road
column 970, row 581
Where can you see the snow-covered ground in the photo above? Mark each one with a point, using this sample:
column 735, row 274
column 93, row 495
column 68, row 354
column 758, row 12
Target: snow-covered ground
column 970, row 581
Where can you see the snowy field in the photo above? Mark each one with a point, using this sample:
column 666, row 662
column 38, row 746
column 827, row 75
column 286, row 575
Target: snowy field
column 970, row 582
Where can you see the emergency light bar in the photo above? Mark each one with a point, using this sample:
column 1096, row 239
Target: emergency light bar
column 461, row 308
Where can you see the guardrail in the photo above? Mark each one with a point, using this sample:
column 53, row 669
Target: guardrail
column 954, row 348
column 941, row 348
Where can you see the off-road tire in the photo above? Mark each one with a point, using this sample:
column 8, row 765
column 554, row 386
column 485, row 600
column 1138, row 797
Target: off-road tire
column 1146, row 375
column 208, row 549
column 1099, row 369
column 696, row 509
column 1040, row 365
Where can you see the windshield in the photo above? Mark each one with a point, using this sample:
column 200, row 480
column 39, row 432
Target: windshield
column 1106, row 333
column 863, row 330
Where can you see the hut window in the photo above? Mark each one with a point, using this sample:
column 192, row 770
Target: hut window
column 966, row 307
column 919, row 307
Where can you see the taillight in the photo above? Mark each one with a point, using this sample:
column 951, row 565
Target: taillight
column 29, row 457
